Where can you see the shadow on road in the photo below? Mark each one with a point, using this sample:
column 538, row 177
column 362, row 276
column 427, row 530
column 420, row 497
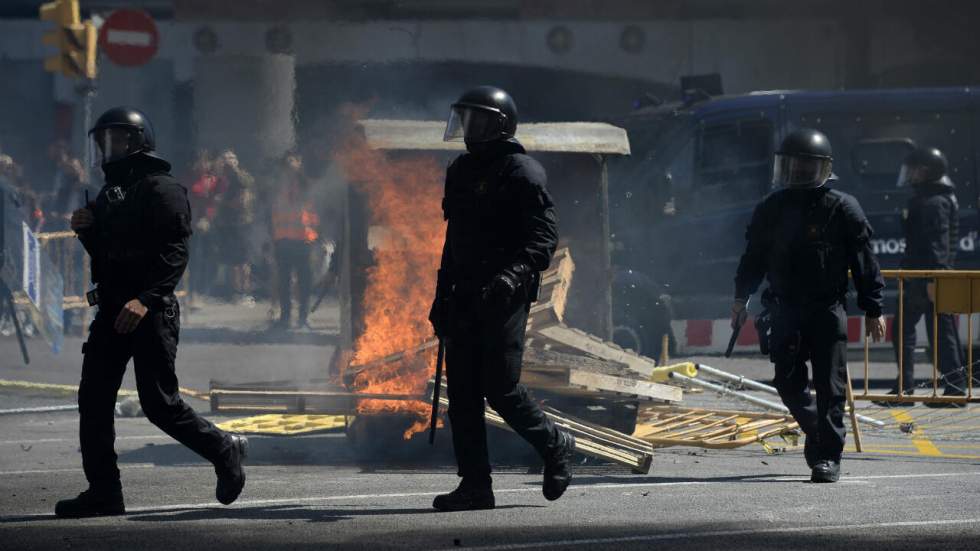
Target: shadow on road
column 304, row 513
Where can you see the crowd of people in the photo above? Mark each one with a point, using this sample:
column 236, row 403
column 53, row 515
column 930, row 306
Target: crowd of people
column 254, row 233
column 253, row 236
column 47, row 206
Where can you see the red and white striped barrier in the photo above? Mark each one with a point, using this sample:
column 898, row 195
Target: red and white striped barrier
column 712, row 336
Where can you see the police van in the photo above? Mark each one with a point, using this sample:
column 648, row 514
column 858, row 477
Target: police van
column 680, row 205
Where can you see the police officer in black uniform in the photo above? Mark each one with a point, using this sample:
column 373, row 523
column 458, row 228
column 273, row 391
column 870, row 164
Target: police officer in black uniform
column 803, row 238
column 931, row 224
column 136, row 233
column 502, row 232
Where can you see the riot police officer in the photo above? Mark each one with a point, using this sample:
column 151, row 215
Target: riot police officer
column 803, row 238
column 136, row 233
column 931, row 225
column 501, row 233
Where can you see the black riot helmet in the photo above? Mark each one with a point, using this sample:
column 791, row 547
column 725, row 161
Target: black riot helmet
column 119, row 133
column 924, row 165
column 804, row 160
column 483, row 114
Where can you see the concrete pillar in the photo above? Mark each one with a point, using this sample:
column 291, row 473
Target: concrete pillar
column 246, row 102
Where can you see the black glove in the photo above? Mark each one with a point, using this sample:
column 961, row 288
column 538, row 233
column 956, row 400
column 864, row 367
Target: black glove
column 504, row 285
column 439, row 313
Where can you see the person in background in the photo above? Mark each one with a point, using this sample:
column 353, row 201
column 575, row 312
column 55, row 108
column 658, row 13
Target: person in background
column 295, row 229
column 931, row 223
column 234, row 214
column 11, row 176
column 71, row 182
column 201, row 196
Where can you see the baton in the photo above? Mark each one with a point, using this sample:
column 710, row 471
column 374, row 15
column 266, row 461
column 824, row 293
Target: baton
column 735, row 331
column 440, row 357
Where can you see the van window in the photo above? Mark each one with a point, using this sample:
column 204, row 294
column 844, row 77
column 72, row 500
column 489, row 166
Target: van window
column 734, row 163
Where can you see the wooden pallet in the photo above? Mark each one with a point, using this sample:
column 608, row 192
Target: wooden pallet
column 590, row 439
column 664, row 426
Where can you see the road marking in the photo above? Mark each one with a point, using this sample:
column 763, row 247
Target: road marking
column 49, row 388
column 39, row 409
column 285, row 501
column 923, row 445
column 724, row 533
column 74, row 470
column 75, row 439
column 68, row 390
column 917, row 454
column 533, row 489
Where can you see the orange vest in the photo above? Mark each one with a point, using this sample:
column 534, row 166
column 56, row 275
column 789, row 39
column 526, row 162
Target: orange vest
column 294, row 217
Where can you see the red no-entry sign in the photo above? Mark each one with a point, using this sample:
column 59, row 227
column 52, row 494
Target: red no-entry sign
column 129, row 38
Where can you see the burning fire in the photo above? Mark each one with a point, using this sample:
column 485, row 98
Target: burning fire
column 404, row 198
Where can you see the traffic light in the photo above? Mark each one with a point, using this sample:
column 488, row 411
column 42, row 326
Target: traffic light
column 76, row 40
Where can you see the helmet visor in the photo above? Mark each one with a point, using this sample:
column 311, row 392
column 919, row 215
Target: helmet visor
column 911, row 175
column 110, row 144
column 801, row 172
column 472, row 125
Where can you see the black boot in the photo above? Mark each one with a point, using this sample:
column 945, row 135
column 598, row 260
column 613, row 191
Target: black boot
column 231, row 475
column 557, row 470
column 92, row 503
column 826, row 470
column 467, row 497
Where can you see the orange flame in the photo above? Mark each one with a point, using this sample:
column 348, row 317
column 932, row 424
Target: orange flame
column 404, row 198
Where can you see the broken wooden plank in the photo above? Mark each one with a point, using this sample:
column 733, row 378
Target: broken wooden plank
column 623, row 385
column 664, row 426
column 553, row 296
column 541, row 359
column 590, row 344
column 592, row 440
column 317, row 396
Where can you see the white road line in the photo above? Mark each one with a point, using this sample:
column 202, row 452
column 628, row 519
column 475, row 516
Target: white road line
column 75, row 439
column 75, row 470
column 285, row 501
column 351, row 497
column 722, row 534
column 39, row 409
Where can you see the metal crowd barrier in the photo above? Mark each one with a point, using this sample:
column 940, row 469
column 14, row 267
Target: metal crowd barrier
column 956, row 292
column 70, row 258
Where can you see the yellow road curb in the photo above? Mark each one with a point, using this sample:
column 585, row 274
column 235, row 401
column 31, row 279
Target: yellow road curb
column 72, row 390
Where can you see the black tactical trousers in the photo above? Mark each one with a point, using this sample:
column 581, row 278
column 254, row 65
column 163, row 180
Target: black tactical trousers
column 916, row 305
column 483, row 360
column 817, row 334
column 153, row 348
column 293, row 256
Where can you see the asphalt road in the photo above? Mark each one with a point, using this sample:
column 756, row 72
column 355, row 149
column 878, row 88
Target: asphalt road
column 312, row 492
column 316, row 492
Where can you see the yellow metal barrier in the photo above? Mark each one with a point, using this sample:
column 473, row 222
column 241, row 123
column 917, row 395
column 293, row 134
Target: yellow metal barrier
column 956, row 292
